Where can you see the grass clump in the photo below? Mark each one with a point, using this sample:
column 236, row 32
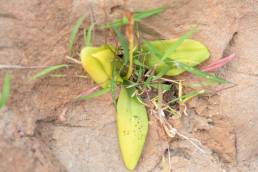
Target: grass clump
column 147, row 74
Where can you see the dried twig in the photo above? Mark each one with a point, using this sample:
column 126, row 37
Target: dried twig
column 73, row 60
column 9, row 66
column 169, row 129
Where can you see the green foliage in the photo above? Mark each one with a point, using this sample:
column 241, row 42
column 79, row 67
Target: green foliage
column 189, row 52
column 47, row 71
column 137, row 16
column 87, row 35
column 73, row 34
column 5, row 90
column 163, row 87
column 172, row 48
column 146, row 81
column 148, row 66
column 124, row 44
column 179, row 60
column 187, row 96
column 95, row 94
column 199, row 73
column 132, row 125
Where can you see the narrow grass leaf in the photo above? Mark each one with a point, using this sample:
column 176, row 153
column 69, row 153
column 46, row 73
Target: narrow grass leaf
column 132, row 85
column 88, row 35
column 179, row 41
column 153, row 50
column 149, row 80
column 58, row 75
column 73, row 34
column 140, row 68
column 95, row 94
column 200, row 73
column 162, row 72
column 48, row 70
column 138, row 16
column 115, row 23
column 5, row 90
column 164, row 87
column 192, row 95
column 124, row 44
column 200, row 84
column 138, row 63
column 186, row 97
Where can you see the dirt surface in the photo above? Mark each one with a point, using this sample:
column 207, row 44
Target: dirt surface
column 41, row 129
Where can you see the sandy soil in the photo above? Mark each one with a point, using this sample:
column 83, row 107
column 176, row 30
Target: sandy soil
column 42, row 130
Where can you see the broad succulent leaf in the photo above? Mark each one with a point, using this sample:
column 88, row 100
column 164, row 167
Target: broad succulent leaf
column 189, row 52
column 132, row 124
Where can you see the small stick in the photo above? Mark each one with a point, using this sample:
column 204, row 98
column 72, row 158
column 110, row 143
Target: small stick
column 73, row 60
column 88, row 91
column 169, row 80
column 169, row 159
column 7, row 66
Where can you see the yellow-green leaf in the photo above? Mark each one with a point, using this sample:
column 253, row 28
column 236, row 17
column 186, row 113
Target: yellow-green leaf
column 189, row 52
column 97, row 62
column 132, row 124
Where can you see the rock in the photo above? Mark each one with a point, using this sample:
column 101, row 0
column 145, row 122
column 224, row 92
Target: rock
column 37, row 134
column 22, row 153
column 240, row 103
column 185, row 157
column 92, row 143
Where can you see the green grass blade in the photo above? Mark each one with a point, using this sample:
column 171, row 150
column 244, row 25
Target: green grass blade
column 88, row 35
column 139, row 15
column 186, row 97
column 95, row 94
column 191, row 95
column 161, row 73
column 200, row 73
column 48, row 70
column 116, row 23
column 5, row 90
column 131, row 85
column 148, row 81
column 124, row 44
column 179, row 41
column 73, row 34
column 153, row 50
column 113, row 84
column 138, row 63
column 58, row 75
